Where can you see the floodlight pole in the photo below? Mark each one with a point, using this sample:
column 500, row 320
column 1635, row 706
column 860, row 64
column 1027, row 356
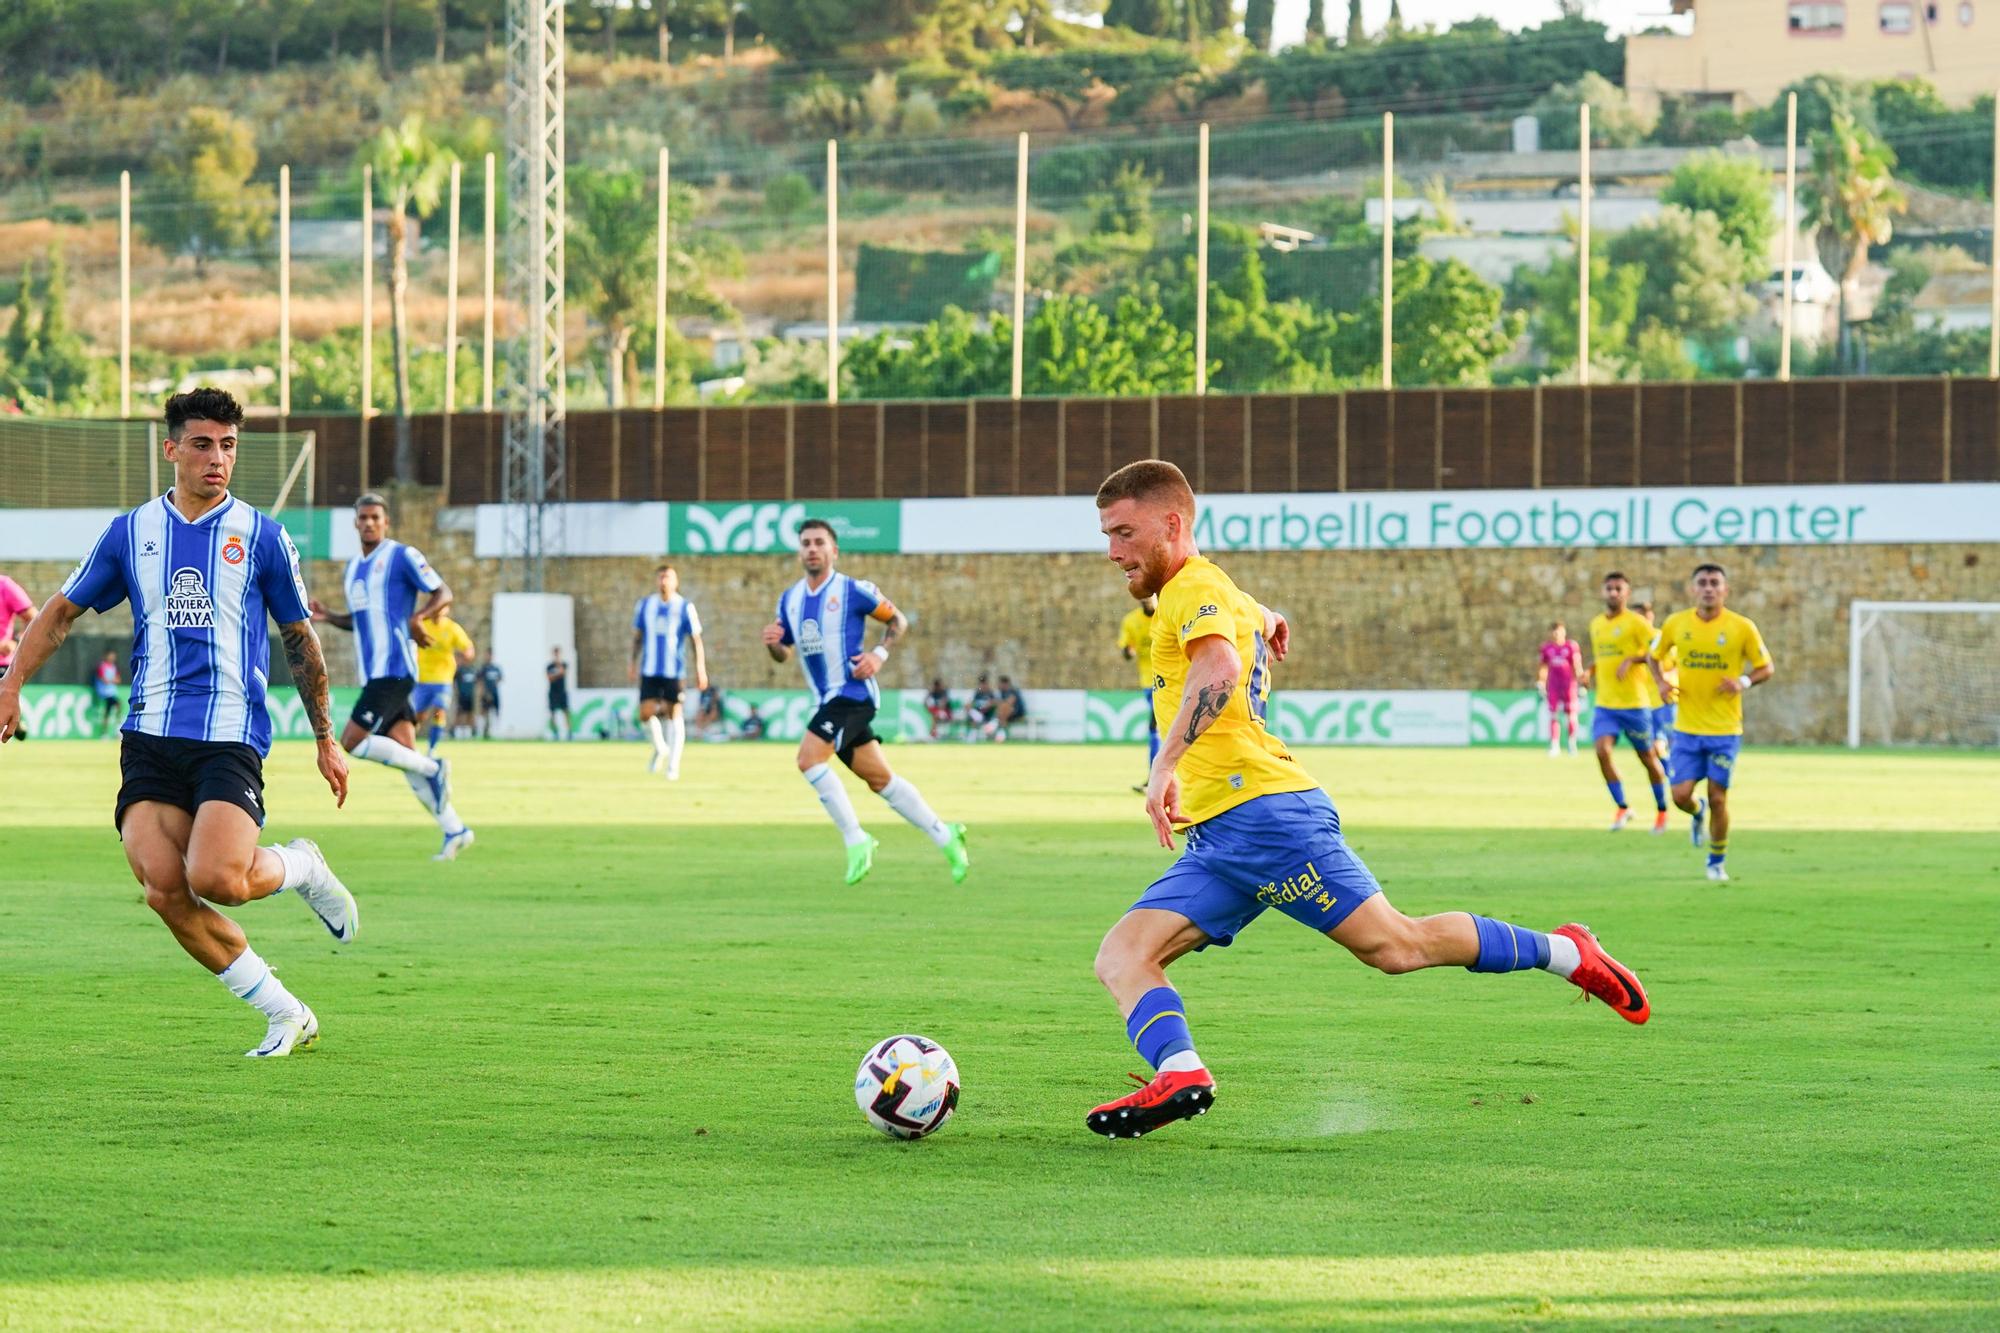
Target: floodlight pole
column 1201, row 263
column 660, row 296
column 284, row 291
column 451, row 325
column 1388, row 245
column 124, row 293
column 1791, row 234
column 1020, row 253
column 1583, row 247
column 367, row 310
column 833, row 270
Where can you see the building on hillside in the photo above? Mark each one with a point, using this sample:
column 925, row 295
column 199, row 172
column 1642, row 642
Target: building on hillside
column 1953, row 301
column 1744, row 52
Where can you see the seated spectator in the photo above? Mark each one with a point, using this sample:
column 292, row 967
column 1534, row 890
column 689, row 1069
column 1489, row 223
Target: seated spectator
column 753, row 725
column 1009, row 707
column 979, row 711
column 708, row 720
column 938, row 704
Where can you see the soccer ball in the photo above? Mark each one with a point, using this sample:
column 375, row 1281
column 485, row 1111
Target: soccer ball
column 907, row 1086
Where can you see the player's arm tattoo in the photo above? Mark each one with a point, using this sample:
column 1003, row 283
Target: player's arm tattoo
column 897, row 626
column 638, row 644
column 1209, row 701
column 308, row 664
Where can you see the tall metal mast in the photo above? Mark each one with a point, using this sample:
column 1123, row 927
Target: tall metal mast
column 534, row 461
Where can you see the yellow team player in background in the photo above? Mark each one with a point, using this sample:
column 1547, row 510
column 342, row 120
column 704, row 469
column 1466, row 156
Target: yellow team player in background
column 1135, row 640
column 1721, row 655
column 437, row 665
column 1625, row 697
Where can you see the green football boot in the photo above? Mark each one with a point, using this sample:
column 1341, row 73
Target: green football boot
column 956, row 856
column 861, row 859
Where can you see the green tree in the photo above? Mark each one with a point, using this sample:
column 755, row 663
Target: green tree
column 1257, row 20
column 1073, row 345
column 953, row 356
column 1148, row 18
column 1614, row 123
column 411, row 171
column 1126, row 209
column 788, row 196
column 1851, row 197
column 1066, row 80
column 63, row 363
column 204, row 169
column 1694, row 276
column 21, row 341
column 1450, row 327
column 1737, row 191
column 1357, row 32
column 1550, row 294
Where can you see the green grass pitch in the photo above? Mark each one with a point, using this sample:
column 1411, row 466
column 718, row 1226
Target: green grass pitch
column 597, row 1073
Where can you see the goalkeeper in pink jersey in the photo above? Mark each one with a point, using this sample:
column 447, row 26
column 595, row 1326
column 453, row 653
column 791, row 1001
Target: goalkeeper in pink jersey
column 1559, row 666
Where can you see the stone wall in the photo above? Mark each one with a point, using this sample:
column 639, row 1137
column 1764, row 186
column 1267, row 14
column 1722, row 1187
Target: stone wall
column 1368, row 619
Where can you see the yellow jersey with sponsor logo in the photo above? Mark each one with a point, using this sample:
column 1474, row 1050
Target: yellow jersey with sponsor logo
column 437, row 664
column 1236, row 759
column 1136, row 632
column 1612, row 639
column 1708, row 652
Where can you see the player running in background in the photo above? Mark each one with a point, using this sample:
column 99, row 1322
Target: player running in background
column 1663, row 715
column 104, row 684
column 203, row 571
column 1620, row 638
column 1260, row 832
column 664, row 626
column 446, row 647
column 15, row 605
column 825, row 616
column 1559, row 663
column 1721, row 655
column 383, row 584
column 1135, row 641
column 556, row 672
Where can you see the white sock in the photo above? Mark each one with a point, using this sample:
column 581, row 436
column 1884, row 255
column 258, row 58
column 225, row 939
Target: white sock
column 908, row 802
column 1564, row 958
column 422, row 787
column 659, row 740
column 1181, row 1063
column 251, row 981
column 449, row 821
column 833, row 799
column 395, row 754
column 676, row 740
column 298, row 865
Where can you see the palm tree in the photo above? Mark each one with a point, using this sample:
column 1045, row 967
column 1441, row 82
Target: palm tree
column 410, row 174
column 611, row 259
column 1851, row 198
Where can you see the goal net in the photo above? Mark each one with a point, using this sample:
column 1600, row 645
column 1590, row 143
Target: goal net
column 1923, row 673
column 58, row 464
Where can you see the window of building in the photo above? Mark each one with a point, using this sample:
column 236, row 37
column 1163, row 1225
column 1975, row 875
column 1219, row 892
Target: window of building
column 1898, row 17
column 1817, row 18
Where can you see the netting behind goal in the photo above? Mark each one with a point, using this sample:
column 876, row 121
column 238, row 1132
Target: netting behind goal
column 1924, row 674
column 49, row 464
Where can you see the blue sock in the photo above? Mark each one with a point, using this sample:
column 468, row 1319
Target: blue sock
column 437, row 734
column 1158, row 1026
column 1152, row 747
column 1505, row 947
column 1660, row 796
column 1617, row 791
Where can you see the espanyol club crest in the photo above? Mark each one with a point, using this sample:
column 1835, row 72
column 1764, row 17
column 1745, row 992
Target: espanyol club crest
column 232, row 551
column 832, row 605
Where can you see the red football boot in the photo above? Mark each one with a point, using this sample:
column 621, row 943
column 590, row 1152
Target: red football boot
column 1169, row 1097
column 1605, row 977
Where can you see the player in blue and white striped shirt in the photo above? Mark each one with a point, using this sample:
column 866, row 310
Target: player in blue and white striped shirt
column 383, row 586
column 665, row 627
column 825, row 616
column 202, row 570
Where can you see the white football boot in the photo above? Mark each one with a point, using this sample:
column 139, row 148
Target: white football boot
column 293, row 1032
column 326, row 895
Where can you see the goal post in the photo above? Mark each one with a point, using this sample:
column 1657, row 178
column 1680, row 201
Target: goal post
column 1923, row 673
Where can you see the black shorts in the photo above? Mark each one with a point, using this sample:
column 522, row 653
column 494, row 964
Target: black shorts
column 187, row 773
column 664, row 689
column 384, row 702
column 465, row 701
column 558, row 701
column 843, row 724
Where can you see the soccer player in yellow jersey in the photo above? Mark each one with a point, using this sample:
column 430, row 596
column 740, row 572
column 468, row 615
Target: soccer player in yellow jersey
column 437, row 666
column 1625, row 696
column 1135, row 640
column 1721, row 656
column 1260, row 832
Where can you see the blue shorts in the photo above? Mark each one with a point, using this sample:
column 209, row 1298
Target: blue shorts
column 1631, row 723
column 1663, row 720
column 1696, row 757
column 1152, row 718
column 1283, row 851
column 424, row 698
